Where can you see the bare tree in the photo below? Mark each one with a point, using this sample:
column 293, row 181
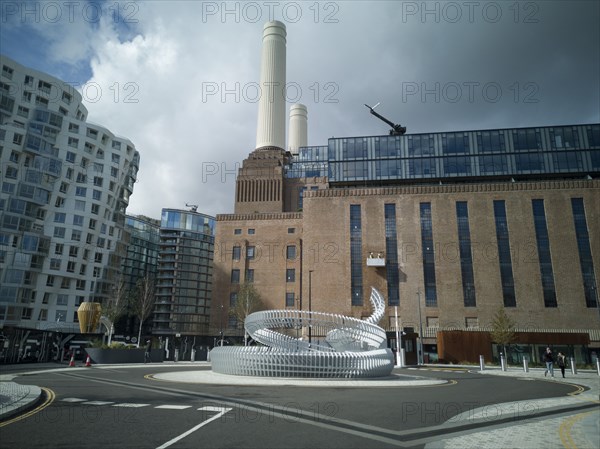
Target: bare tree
column 115, row 307
column 144, row 301
column 248, row 301
column 503, row 329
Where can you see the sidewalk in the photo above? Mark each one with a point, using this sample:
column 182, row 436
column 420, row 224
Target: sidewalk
column 574, row 430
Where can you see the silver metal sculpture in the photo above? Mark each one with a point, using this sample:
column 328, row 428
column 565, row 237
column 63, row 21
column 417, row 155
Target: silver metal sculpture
column 352, row 348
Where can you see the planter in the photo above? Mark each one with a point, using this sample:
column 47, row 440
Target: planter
column 98, row 355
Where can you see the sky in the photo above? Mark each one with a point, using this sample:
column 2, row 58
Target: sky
column 178, row 78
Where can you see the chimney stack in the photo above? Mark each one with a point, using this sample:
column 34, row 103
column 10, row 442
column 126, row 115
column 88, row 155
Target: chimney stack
column 298, row 130
column 270, row 131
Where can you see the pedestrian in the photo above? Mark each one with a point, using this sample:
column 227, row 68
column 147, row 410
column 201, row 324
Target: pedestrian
column 549, row 359
column 561, row 361
column 147, row 357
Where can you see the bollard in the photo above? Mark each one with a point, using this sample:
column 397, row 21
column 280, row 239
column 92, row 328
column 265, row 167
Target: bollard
column 193, row 356
column 176, row 355
column 598, row 366
column 481, row 363
column 402, row 357
column 502, row 363
column 573, row 367
column 525, row 365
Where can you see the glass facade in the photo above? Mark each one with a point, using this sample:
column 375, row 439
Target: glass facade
column 504, row 256
column 466, row 256
column 391, row 255
column 65, row 185
column 502, row 153
column 585, row 252
column 184, row 281
column 428, row 255
column 544, row 254
column 356, row 262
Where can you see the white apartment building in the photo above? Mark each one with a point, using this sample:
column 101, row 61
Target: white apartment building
column 65, row 185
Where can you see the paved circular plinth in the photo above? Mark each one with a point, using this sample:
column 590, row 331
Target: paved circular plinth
column 210, row 377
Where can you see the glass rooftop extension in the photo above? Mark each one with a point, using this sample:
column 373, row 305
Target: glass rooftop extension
column 523, row 153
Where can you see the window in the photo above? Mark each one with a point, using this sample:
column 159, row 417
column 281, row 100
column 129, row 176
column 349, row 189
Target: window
column 291, row 230
column 236, row 253
column 289, row 299
column 235, row 276
column 62, row 300
column 81, row 191
column 18, row 139
column 391, row 255
column 73, row 251
column 60, row 316
column 504, row 256
column 251, row 231
column 586, row 261
column 428, row 255
column 290, row 275
column 92, row 224
column 73, row 128
column 98, row 257
column 356, row 278
column 544, row 256
column 80, row 284
column 97, row 195
column 50, row 280
column 237, row 231
column 70, row 157
column 249, row 275
column 291, row 252
column 65, row 283
column 76, row 235
column 232, row 299
column 58, row 249
column 250, row 252
column 59, row 232
column 466, row 258
column 59, row 217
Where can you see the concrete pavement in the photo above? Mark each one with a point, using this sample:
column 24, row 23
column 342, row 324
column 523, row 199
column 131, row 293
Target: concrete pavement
column 571, row 430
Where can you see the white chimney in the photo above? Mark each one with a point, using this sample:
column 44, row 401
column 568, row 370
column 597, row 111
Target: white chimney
column 270, row 131
column 298, row 131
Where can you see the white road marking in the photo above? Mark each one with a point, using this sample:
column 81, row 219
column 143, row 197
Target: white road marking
column 97, row 403
column 73, row 400
column 193, row 429
column 210, row 408
column 173, row 407
column 128, row 404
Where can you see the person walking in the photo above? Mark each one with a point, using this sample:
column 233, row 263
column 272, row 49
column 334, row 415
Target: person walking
column 147, row 357
column 561, row 361
column 549, row 359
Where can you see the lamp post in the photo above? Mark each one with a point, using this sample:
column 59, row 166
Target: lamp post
column 221, row 331
column 420, row 360
column 399, row 354
column 309, row 307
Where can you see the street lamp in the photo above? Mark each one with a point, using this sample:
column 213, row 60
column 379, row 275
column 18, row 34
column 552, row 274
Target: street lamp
column 420, row 329
column 309, row 307
column 221, row 331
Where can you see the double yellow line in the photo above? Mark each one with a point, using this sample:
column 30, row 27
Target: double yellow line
column 50, row 395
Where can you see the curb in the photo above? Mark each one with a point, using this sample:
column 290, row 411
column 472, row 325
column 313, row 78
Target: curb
column 15, row 398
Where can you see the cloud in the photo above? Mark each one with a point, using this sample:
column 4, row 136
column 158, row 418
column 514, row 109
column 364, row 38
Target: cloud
column 176, row 77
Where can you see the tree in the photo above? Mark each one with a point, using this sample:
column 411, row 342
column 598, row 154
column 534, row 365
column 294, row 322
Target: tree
column 117, row 306
column 144, row 301
column 248, row 301
column 503, row 329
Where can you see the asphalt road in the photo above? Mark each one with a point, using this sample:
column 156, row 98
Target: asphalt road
column 125, row 408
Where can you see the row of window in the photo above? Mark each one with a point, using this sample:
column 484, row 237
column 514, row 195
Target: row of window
column 466, row 257
column 251, row 252
column 290, row 275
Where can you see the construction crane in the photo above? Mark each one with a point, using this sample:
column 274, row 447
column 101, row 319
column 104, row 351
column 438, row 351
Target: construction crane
column 397, row 130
